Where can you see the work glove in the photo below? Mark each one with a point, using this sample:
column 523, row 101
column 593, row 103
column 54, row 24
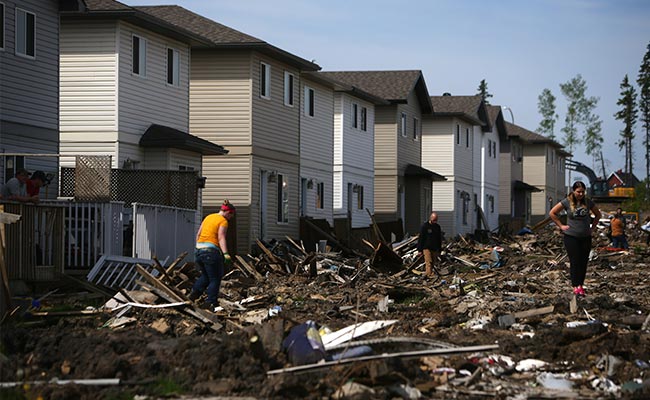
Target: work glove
column 226, row 259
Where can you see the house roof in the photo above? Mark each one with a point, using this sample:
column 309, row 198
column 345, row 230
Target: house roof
column 416, row 170
column 392, row 86
column 495, row 117
column 111, row 9
column 338, row 86
column 532, row 137
column 157, row 136
column 521, row 185
column 470, row 108
column 220, row 36
column 627, row 179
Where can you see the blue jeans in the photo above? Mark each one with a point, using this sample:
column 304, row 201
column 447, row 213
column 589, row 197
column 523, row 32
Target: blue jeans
column 210, row 261
column 619, row 242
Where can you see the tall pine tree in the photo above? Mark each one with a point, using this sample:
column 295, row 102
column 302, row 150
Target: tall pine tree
column 643, row 80
column 627, row 114
column 546, row 107
column 483, row 91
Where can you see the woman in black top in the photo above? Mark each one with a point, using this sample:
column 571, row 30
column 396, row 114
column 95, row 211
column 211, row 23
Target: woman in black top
column 577, row 232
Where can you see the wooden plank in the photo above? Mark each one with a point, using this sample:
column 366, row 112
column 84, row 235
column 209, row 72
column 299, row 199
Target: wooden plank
column 266, row 251
column 375, row 227
column 158, row 284
column 416, row 353
column 176, row 261
column 249, row 269
column 159, row 267
column 296, row 245
column 534, row 312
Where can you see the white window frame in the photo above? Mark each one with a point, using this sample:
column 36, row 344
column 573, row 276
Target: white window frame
column 402, row 124
column 2, row 27
column 23, row 40
column 182, row 167
column 283, row 199
column 142, row 56
column 364, row 119
column 355, row 115
column 416, row 133
column 310, row 102
column 289, row 84
column 175, row 65
column 265, row 80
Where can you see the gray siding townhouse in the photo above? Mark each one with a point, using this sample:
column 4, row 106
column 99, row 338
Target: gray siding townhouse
column 543, row 168
column 238, row 87
column 29, row 85
column 402, row 186
column 125, row 84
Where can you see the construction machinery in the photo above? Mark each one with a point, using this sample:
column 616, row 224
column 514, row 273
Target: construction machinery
column 598, row 187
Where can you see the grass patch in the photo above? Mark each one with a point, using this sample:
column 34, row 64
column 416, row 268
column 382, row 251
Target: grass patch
column 166, row 387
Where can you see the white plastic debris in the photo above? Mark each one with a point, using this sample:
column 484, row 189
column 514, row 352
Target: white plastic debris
column 530, row 364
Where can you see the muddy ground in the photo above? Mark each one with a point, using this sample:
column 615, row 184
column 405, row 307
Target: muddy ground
column 608, row 357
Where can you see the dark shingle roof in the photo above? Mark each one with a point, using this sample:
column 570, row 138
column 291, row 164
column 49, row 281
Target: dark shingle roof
column 532, row 137
column 456, row 105
column 394, row 86
column 220, row 36
column 198, row 24
column 105, row 5
column 160, row 136
column 493, row 113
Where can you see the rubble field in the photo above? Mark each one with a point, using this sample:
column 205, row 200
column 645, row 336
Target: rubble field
column 498, row 320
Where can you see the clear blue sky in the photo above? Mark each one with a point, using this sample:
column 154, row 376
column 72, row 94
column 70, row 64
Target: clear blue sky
column 519, row 47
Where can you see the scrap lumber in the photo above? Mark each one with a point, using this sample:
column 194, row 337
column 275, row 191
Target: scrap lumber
column 384, row 258
column 249, row 269
column 541, row 224
column 272, row 257
column 534, row 312
column 159, row 267
column 375, row 227
column 417, row 353
column 296, row 246
column 328, row 236
column 176, row 262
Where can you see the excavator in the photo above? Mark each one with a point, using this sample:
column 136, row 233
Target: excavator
column 598, row 187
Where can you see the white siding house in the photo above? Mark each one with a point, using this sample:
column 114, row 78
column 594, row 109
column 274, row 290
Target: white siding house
column 125, row 90
column 455, row 140
column 247, row 95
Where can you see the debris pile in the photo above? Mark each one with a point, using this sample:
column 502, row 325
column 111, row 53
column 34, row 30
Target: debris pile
column 497, row 320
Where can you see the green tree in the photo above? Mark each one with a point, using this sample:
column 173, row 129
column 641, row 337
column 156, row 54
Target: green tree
column 627, row 114
column 483, row 91
column 643, row 80
column 546, row 107
column 594, row 138
column 579, row 110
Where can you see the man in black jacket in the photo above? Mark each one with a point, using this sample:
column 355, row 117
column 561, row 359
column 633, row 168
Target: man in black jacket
column 430, row 242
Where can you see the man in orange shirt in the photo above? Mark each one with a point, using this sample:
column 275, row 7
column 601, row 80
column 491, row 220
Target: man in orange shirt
column 211, row 254
column 619, row 241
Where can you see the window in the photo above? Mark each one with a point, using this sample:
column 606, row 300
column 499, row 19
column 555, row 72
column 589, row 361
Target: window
column 185, row 168
column 494, row 149
column 309, row 101
column 139, row 56
column 11, row 165
column 355, row 115
column 489, row 148
column 320, row 195
column 2, row 26
column 288, row 88
column 359, row 197
column 364, row 119
column 173, row 67
column 403, row 124
column 416, row 133
column 25, row 33
column 457, row 134
column 283, row 199
column 467, row 137
column 464, row 199
column 265, row 81
column 490, row 199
